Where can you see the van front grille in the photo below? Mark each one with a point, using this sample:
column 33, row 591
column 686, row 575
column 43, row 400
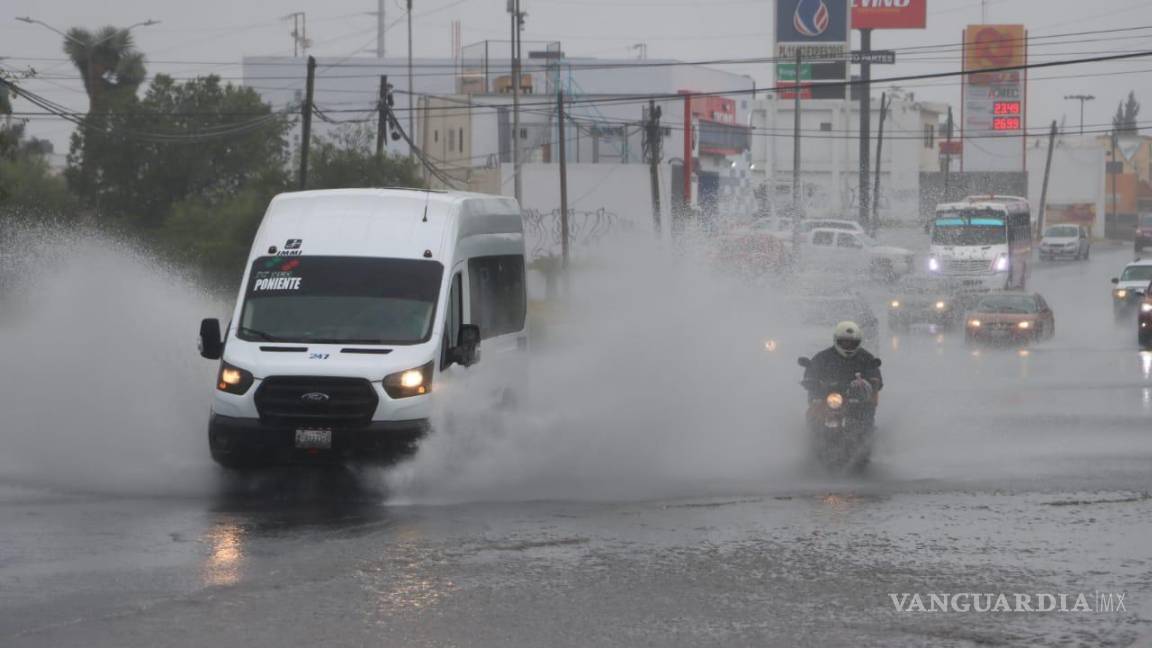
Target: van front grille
column 966, row 266
column 316, row 400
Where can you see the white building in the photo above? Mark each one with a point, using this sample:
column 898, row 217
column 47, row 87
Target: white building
column 830, row 148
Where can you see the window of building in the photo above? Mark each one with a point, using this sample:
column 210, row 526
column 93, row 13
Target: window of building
column 451, row 140
column 523, row 133
column 929, row 136
column 826, row 127
column 460, row 139
column 496, row 286
column 436, row 136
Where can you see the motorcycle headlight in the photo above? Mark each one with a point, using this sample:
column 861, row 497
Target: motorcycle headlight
column 410, row 382
column 834, row 401
column 895, row 303
column 1001, row 263
column 1025, row 325
column 974, row 323
column 940, row 305
column 233, row 380
column 1121, row 294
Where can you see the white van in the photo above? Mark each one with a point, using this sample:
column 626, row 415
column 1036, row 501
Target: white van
column 983, row 243
column 357, row 307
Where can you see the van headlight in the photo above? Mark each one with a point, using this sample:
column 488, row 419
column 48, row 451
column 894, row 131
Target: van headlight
column 934, row 264
column 834, row 401
column 233, row 380
column 1120, row 294
column 410, row 382
column 1001, row 263
column 1146, row 307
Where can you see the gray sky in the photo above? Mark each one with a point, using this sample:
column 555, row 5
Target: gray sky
column 219, row 32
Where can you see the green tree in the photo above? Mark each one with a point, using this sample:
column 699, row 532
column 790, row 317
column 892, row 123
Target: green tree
column 112, row 71
column 198, row 138
column 347, row 158
column 27, row 183
column 1126, row 113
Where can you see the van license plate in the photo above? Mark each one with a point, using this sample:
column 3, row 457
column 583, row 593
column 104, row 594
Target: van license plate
column 314, row 438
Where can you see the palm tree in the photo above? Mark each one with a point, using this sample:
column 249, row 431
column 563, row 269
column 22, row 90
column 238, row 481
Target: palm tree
column 108, row 62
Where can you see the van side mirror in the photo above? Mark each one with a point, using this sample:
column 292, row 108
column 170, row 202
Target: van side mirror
column 467, row 350
column 876, row 363
column 1115, row 280
column 211, row 344
column 804, row 362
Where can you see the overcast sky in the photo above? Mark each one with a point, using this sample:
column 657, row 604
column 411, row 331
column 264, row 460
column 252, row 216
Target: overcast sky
column 216, row 33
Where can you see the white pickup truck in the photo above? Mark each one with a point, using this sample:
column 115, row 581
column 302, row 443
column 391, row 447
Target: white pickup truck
column 842, row 251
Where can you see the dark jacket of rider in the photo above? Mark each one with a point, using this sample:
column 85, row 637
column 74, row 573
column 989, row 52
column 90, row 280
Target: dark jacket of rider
column 831, row 367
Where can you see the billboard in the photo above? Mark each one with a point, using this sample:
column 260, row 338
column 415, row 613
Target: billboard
column 994, row 109
column 819, row 31
column 889, row 14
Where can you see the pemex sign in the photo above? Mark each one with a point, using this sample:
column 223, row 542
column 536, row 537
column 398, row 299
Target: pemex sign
column 889, row 14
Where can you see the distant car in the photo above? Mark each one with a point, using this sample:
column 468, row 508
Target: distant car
column 1065, row 242
column 846, row 252
column 1144, row 321
column 1143, row 237
column 1128, row 289
column 824, row 312
column 1009, row 318
column 757, row 247
column 831, row 223
column 923, row 299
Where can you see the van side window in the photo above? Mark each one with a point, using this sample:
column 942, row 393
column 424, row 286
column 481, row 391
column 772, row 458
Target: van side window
column 452, row 319
column 497, row 292
column 822, row 238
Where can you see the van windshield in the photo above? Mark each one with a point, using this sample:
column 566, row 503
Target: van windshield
column 969, row 228
column 340, row 300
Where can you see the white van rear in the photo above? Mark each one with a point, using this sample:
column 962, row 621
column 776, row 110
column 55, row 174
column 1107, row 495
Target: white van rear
column 356, row 308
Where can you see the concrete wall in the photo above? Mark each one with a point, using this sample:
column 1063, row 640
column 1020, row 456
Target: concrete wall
column 1077, row 178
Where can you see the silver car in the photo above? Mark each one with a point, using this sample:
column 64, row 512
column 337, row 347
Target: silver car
column 1065, row 242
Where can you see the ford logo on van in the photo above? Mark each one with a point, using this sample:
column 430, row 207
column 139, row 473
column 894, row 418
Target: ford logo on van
column 315, row 397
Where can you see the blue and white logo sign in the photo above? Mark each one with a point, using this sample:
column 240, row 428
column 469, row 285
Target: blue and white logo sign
column 810, row 18
column 812, row 21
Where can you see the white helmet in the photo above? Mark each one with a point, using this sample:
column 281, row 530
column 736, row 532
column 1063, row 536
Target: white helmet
column 847, row 338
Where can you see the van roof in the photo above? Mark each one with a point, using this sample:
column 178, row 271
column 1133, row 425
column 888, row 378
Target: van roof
column 431, row 195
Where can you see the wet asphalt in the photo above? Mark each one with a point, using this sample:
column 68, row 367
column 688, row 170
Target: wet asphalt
column 997, row 471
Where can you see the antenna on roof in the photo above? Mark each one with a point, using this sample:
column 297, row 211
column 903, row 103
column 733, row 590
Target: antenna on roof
column 427, row 197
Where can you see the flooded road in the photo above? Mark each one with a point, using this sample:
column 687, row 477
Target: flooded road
column 996, row 472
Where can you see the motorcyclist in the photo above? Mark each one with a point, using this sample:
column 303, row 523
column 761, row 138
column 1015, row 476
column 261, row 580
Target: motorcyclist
column 840, row 363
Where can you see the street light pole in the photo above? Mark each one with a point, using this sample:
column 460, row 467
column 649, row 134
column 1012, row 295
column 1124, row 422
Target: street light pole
column 33, row 21
column 1081, row 98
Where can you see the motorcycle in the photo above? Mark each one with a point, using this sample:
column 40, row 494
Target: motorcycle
column 841, row 420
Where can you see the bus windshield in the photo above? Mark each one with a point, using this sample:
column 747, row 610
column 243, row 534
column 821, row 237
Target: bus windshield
column 969, row 228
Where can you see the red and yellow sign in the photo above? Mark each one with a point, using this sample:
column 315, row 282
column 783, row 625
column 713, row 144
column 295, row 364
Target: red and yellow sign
column 994, row 46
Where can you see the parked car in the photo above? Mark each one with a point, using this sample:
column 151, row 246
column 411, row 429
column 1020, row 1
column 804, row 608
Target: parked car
column 1065, row 242
column 846, row 252
column 1009, row 318
column 831, row 223
column 1143, row 237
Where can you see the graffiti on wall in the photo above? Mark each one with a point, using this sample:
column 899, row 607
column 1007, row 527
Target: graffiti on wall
column 585, row 229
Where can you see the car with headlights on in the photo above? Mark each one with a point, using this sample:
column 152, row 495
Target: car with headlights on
column 1009, row 318
column 1128, row 289
column 1065, row 241
column 923, row 300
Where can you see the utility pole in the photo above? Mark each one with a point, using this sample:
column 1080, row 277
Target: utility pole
column 411, row 85
column 1081, row 98
column 865, row 122
column 299, row 32
column 653, row 145
column 1047, row 172
column 948, row 156
column 514, row 8
column 381, row 117
column 306, row 129
column 796, row 210
column 563, row 182
column 1112, row 172
column 874, row 222
column 687, row 166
